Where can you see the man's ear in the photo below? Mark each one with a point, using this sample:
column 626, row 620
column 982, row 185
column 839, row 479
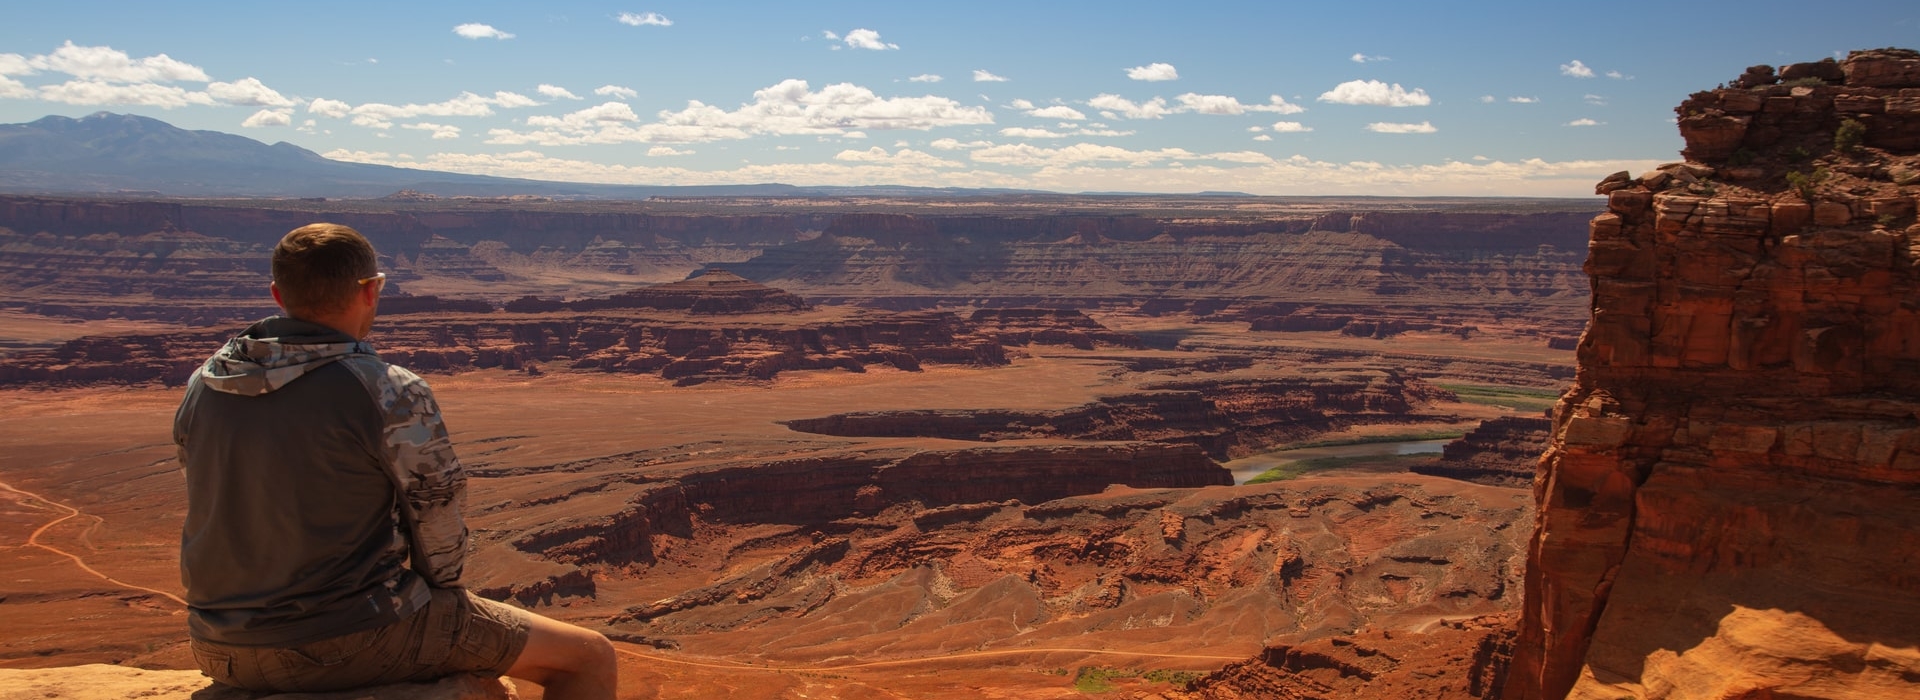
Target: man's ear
column 275, row 288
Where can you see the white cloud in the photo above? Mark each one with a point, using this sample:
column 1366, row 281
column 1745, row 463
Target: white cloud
column 329, row 108
column 440, row 131
column 616, row 91
column 830, row 35
column 666, row 151
column 510, row 100
column 1058, row 112
column 95, row 92
column 11, row 89
column 1486, row 99
column 1596, row 100
column 868, row 39
column 1115, row 106
column 980, row 76
column 106, row 64
column 644, row 19
column 790, row 107
column 556, row 92
column 1363, row 58
column 1229, row 105
column 247, row 92
column 1153, row 72
column 269, row 117
column 1263, row 137
column 1482, row 158
column 533, row 164
column 591, row 117
column 1242, row 157
column 1020, row 104
column 1616, row 75
column 925, row 78
column 1021, row 132
column 474, row 30
column 951, row 144
column 1256, row 128
column 1069, row 170
column 1376, row 93
column 15, row 64
column 1523, row 100
column 1576, row 69
column 377, row 115
column 1024, row 155
column 904, row 156
column 1394, row 128
column 1290, row 127
column 1584, row 122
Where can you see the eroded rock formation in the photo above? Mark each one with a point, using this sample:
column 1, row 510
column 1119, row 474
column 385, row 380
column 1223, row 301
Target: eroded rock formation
column 715, row 291
column 1504, row 451
column 676, row 348
column 1728, row 507
column 1228, row 417
column 1452, row 660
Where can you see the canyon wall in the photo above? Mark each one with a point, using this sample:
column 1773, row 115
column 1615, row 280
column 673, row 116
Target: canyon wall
column 1728, row 508
column 162, row 257
column 688, row 350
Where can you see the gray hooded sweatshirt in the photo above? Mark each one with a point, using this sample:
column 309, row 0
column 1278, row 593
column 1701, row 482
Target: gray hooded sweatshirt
column 314, row 471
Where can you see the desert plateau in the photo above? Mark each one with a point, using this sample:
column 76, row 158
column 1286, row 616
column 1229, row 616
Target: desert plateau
column 1659, row 443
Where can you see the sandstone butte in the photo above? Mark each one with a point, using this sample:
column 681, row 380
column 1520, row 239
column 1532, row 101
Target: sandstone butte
column 1727, row 506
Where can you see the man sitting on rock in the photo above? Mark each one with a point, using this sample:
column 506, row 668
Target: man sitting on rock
column 324, row 541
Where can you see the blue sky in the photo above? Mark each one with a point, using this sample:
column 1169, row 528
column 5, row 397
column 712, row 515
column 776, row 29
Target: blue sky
column 1414, row 98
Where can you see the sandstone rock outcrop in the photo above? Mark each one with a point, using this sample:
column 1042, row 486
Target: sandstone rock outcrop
column 1727, row 509
column 1504, row 451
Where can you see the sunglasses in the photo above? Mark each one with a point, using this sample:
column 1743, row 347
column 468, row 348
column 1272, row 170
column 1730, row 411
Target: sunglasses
column 378, row 277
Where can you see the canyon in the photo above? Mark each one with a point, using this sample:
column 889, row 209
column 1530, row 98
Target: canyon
column 891, row 447
column 1002, row 470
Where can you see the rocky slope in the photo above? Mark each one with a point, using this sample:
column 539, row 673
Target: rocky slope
column 1728, row 507
column 1452, row 660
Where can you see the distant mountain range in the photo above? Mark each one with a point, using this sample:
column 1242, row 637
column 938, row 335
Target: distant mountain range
column 106, row 153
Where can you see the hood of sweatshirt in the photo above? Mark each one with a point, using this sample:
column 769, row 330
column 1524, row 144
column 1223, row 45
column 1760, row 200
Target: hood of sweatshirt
column 274, row 352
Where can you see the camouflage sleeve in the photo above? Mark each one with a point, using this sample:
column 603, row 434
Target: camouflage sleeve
column 419, row 456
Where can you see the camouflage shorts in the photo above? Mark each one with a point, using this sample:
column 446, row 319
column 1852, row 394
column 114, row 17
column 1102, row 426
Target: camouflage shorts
column 457, row 632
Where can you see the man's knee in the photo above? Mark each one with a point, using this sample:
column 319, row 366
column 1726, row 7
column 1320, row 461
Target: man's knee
column 555, row 646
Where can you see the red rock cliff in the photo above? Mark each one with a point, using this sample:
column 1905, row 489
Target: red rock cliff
column 1727, row 508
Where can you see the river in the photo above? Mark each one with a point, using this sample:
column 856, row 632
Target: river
column 1246, row 468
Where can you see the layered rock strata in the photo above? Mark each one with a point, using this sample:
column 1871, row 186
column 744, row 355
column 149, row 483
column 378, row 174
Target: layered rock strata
column 714, row 292
column 1728, row 505
column 1503, row 451
column 1227, row 418
column 680, row 349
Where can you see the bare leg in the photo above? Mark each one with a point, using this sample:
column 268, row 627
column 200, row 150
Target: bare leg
column 569, row 663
